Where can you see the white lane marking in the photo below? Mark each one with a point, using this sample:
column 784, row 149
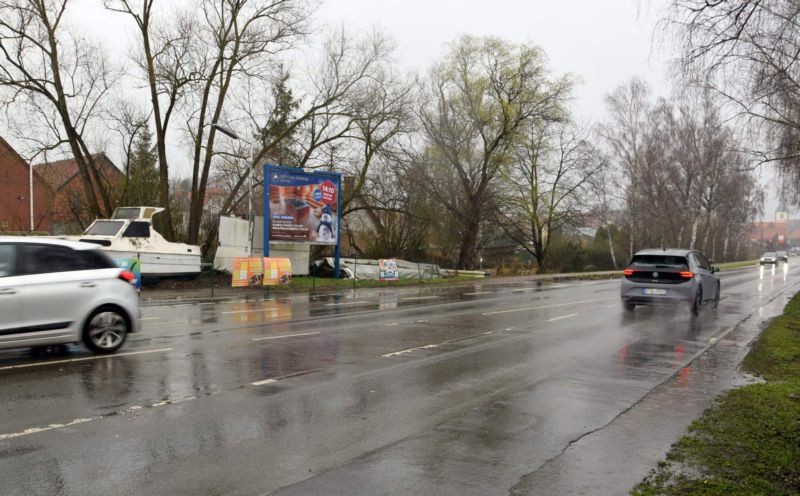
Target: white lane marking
column 34, row 430
column 392, row 324
column 562, row 317
column 522, row 290
column 264, row 382
column 547, row 306
column 150, row 318
column 286, row 336
column 478, row 293
column 403, row 352
column 420, row 297
column 99, row 357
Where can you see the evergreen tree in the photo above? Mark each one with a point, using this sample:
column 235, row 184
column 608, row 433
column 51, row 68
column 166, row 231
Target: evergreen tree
column 143, row 172
column 284, row 152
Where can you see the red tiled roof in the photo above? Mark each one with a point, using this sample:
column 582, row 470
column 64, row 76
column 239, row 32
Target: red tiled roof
column 5, row 144
column 57, row 174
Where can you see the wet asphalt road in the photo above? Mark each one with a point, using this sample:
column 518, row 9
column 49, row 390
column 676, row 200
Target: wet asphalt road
column 489, row 388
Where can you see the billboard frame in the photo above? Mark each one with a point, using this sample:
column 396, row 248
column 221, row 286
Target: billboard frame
column 333, row 176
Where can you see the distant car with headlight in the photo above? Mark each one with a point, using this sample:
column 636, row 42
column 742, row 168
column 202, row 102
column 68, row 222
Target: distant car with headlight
column 670, row 277
column 782, row 256
column 769, row 258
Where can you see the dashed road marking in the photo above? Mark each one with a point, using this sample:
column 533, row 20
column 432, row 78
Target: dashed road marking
column 546, row 306
column 476, row 293
column 265, row 338
column 562, row 317
column 420, row 297
column 34, row 430
column 263, row 383
column 403, row 352
column 84, row 359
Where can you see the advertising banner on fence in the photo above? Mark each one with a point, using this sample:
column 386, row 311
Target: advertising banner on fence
column 133, row 265
column 302, row 206
column 277, row 271
column 388, row 268
column 247, row 271
column 257, row 271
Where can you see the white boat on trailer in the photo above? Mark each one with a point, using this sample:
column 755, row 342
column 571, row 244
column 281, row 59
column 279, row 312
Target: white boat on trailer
column 129, row 233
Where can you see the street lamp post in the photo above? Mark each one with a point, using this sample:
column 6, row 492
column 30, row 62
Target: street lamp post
column 30, row 192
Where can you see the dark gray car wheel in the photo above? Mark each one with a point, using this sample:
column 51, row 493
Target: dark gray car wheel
column 106, row 330
column 698, row 302
column 628, row 307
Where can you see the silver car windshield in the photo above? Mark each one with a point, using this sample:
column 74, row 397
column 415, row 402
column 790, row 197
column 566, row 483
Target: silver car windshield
column 105, row 228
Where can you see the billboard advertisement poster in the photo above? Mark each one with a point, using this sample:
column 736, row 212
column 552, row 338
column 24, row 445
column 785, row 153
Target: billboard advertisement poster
column 247, row 271
column 388, row 268
column 303, row 206
column 133, row 265
column 277, row 271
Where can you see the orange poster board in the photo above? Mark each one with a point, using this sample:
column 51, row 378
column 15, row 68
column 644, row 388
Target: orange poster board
column 277, row 271
column 247, row 271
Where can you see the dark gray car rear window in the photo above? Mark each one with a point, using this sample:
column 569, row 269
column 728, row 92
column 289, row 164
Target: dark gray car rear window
column 659, row 260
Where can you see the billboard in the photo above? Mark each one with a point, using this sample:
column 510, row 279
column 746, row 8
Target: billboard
column 302, row 206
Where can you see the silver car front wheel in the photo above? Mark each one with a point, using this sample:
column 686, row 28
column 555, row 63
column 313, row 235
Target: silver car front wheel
column 105, row 331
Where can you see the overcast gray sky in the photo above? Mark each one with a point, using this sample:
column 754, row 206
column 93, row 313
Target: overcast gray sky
column 603, row 43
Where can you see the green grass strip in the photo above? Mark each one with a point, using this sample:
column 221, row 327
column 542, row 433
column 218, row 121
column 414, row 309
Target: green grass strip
column 748, row 442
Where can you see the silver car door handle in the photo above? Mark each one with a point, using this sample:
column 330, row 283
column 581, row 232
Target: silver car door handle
column 8, row 291
column 88, row 284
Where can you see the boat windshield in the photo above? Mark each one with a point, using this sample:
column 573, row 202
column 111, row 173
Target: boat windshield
column 105, row 228
column 126, row 213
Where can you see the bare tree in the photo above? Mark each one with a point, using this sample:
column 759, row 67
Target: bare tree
column 747, row 51
column 59, row 80
column 355, row 107
column 167, row 61
column 547, row 184
column 478, row 99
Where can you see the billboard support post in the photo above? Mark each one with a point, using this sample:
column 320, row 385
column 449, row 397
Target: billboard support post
column 338, row 250
column 266, row 213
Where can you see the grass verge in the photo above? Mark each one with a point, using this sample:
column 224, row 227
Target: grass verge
column 736, row 265
column 748, row 442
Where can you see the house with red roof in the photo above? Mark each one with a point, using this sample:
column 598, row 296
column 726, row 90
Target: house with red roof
column 18, row 214
column 69, row 211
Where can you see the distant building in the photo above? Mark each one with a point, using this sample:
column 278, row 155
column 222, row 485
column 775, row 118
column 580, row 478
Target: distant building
column 69, row 210
column 779, row 234
column 15, row 204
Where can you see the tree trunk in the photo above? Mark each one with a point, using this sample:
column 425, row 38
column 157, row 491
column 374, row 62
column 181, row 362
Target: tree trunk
column 469, row 243
column 725, row 243
column 694, row 234
column 611, row 247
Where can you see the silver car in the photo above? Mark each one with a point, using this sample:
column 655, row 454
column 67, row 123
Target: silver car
column 54, row 292
column 670, row 277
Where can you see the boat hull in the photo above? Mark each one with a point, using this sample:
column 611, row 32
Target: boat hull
column 161, row 265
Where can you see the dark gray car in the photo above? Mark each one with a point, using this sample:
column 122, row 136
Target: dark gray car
column 670, row 277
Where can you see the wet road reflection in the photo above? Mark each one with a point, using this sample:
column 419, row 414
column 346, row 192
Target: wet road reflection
column 252, row 396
